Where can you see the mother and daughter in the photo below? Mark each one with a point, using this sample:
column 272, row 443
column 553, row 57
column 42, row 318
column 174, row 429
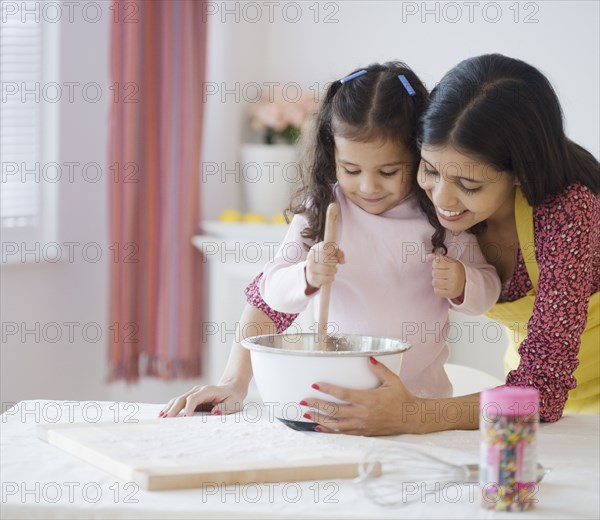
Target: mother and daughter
column 479, row 180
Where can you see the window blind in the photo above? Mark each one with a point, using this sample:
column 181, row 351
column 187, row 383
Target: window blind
column 20, row 123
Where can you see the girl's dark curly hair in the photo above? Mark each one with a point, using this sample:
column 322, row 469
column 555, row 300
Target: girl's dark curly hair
column 374, row 106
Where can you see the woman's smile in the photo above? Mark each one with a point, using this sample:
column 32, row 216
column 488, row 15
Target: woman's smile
column 450, row 215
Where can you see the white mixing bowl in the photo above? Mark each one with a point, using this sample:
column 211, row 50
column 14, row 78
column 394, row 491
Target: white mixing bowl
column 286, row 365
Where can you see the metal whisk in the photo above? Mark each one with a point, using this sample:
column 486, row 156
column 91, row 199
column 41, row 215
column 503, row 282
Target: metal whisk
column 409, row 474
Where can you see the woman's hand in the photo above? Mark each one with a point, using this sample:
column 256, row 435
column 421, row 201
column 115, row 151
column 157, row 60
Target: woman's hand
column 217, row 399
column 390, row 409
column 387, row 410
column 448, row 276
column 321, row 264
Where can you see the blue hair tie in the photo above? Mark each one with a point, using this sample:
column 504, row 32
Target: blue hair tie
column 353, row 76
column 407, row 85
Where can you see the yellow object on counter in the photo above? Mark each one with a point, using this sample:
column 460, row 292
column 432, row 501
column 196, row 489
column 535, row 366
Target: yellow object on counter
column 230, row 215
column 234, row 216
column 254, row 217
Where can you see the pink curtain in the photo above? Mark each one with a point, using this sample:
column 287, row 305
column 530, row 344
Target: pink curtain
column 158, row 64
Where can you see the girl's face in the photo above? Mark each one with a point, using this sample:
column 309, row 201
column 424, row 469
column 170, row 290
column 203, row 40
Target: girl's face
column 374, row 175
column 463, row 190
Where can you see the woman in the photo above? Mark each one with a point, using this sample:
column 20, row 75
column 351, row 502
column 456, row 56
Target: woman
column 495, row 161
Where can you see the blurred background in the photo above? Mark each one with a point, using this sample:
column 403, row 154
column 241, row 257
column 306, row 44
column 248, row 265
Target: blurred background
column 128, row 129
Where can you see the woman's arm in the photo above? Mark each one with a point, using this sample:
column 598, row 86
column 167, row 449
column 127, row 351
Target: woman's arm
column 390, row 409
column 281, row 320
column 566, row 240
column 238, row 371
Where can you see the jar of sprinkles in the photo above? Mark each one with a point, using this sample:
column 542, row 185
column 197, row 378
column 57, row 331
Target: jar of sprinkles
column 508, row 450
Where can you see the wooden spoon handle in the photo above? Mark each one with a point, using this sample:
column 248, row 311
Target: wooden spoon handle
column 331, row 220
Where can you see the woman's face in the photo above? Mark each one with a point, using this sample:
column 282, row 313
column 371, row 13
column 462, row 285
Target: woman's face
column 463, row 190
column 374, row 175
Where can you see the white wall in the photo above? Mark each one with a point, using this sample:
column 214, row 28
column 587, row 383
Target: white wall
column 564, row 43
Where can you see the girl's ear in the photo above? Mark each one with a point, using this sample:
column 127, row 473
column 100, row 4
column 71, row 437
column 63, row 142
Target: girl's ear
column 517, row 181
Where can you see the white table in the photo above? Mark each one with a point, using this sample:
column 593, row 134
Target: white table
column 41, row 481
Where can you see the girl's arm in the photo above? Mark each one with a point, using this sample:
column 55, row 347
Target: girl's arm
column 283, row 285
column 482, row 287
column 229, row 394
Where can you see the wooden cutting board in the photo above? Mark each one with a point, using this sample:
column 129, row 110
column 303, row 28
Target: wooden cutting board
column 192, row 452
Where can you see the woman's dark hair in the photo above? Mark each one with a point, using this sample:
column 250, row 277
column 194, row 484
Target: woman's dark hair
column 374, row 106
column 505, row 112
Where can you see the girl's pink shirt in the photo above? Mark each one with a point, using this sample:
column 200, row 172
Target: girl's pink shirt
column 385, row 286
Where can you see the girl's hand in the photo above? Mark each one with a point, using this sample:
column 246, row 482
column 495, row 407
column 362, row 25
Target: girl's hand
column 217, row 399
column 321, row 264
column 387, row 410
column 448, row 277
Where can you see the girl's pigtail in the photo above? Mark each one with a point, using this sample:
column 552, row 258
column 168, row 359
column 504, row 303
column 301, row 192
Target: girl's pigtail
column 318, row 169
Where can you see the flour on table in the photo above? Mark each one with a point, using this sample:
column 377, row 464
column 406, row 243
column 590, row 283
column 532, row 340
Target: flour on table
column 208, row 440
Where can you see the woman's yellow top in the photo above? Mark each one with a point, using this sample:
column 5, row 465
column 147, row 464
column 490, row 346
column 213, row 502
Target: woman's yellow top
column 585, row 398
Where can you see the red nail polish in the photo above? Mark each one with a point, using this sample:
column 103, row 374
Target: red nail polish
column 372, row 360
column 303, row 403
column 318, row 429
column 307, row 416
column 315, row 386
column 216, row 412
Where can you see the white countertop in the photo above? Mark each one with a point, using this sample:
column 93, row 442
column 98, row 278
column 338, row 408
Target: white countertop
column 42, row 481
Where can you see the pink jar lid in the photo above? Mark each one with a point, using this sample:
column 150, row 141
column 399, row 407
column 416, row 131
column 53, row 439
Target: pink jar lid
column 509, row 401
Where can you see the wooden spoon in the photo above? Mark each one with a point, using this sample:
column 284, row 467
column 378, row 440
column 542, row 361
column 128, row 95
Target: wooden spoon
column 331, row 220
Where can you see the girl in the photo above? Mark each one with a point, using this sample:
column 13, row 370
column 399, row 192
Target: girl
column 365, row 140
